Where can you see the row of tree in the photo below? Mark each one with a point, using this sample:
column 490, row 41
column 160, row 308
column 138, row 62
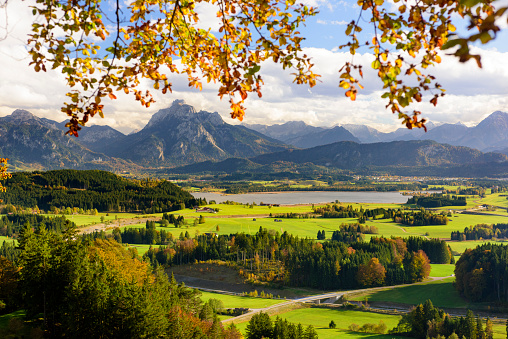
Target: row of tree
column 349, row 232
column 339, row 211
column 428, row 321
column 481, row 274
column 481, row 231
column 261, row 326
column 11, row 224
column 437, row 200
column 419, row 218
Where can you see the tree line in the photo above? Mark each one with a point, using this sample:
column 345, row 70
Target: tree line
column 437, row 200
column 289, row 260
column 481, row 274
column 94, row 189
column 261, row 326
column 419, row 218
column 481, row 231
column 11, row 224
column 428, row 321
column 339, row 211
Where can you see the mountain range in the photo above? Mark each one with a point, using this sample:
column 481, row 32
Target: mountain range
column 490, row 135
column 188, row 141
column 174, row 136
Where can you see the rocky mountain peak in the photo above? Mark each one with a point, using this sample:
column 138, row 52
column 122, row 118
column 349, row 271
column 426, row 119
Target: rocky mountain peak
column 21, row 116
column 177, row 109
column 213, row 118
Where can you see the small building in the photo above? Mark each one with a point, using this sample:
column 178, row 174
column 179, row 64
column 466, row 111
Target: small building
column 205, row 210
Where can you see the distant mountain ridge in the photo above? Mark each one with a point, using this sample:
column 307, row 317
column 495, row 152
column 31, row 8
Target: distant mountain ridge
column 178, row 136
column 491, row 134
column 415, row 157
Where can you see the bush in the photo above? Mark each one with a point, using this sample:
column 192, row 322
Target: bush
column 354, row 328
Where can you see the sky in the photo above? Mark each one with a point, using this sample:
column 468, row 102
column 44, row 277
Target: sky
column 472, row 93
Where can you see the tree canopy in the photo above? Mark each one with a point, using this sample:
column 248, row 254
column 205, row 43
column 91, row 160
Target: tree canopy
column 102, row 51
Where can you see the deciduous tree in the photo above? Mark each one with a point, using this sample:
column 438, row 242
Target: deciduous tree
column 165, row 37
column 372, row 273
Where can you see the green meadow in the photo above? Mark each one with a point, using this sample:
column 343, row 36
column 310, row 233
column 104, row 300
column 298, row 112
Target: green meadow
column 441, row 270
column 441, row 293
column 240, row 218
column 319, row 318
column 461, row 246
column 496, row 199
column 234, row 301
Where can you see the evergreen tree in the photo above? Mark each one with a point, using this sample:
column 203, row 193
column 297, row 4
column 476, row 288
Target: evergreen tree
column 260, row 326
column 480, row 334
column 489, row 332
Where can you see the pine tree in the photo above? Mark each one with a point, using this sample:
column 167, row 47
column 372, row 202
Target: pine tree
column 259, row 326
column 489, row 332
column 479, row 328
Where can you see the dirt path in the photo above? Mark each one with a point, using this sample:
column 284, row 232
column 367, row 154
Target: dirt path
column 116, row 223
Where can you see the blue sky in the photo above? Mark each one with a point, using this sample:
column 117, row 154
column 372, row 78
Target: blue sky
column 472, row 93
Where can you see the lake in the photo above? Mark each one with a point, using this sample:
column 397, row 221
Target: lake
column 293, row 198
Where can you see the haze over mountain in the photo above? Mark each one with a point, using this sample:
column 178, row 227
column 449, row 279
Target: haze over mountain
column 95, row 137
column 491, row 134
column 416, row 157
column 179, row 135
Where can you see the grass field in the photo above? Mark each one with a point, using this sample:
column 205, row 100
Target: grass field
column 82, row 220
column 495, row 199
column 141, row 248
column 319, row 318
column 457, row 223
column 441, row 293
column 461, row 246
column 440, row 270
column 309, row 227
column 233, row 301
column 236, row 210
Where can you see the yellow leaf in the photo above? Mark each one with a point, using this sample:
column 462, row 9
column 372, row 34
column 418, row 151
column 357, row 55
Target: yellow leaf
column 344, row 84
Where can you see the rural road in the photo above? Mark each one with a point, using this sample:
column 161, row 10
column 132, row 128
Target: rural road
column 324, row 296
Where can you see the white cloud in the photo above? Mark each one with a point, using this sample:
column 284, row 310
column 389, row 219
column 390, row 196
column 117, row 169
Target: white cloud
column 472, row 93
column 331, row 22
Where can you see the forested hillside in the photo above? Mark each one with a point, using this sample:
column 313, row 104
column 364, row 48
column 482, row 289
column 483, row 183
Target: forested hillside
column 93, row 189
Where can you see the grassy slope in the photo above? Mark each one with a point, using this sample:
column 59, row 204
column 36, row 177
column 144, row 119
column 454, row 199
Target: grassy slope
column 442, row 294
column 461, row 246
column 232, row 301
column 441, row 270
column 319, row 318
